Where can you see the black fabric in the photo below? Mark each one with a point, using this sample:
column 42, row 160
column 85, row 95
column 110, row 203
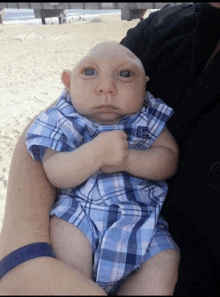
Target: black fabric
column 174, row 45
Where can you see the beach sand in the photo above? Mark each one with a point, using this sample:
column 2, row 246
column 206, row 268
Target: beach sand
column 32, row 60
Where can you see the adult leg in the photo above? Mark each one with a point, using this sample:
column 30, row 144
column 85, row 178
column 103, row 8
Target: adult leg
column 157, row 276
column 71, row 245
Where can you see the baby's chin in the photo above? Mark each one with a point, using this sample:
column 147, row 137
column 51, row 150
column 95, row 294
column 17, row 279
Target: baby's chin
column 106, row 119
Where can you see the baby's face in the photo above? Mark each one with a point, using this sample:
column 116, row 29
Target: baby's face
column 108, row 84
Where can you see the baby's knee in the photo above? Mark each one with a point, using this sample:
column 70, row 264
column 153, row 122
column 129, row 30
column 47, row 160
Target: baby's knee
column 168, row 258
column 171, row 254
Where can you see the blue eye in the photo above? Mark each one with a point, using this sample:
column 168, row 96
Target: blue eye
column 125, row 73
column 89, row 71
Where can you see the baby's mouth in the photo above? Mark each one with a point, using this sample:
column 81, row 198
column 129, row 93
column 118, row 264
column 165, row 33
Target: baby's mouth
column 107, row 108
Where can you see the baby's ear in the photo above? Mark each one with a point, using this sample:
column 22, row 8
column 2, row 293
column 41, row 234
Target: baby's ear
column 147, row 78
column 66, row 79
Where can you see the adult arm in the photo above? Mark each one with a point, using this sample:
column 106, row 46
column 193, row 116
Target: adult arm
column 29, row 199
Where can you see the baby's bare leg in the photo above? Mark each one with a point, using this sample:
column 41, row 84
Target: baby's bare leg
column 71, row 245
column 158, row 276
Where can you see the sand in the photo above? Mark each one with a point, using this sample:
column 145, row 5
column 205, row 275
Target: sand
column 31, row 63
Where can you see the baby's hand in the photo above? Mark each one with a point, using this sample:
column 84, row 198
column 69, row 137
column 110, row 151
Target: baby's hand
column 113, row 147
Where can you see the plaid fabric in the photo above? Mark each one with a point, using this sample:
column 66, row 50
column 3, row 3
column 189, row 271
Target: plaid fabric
column 117, row 212
column 61, row 128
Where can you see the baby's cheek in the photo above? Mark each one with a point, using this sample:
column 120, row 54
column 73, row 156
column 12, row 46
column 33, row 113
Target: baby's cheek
column 135, row 103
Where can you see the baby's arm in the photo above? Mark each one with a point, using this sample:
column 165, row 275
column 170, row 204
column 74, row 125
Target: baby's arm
column 69, row 169
column 156, row 163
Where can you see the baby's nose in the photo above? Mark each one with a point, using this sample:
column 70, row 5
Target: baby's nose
column 105, row 91
column 106, row 87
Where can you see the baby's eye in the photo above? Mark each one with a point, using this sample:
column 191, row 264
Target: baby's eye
column 125, row 73
column 90, row 71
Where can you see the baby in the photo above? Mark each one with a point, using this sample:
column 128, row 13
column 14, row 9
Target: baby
column 106, row 147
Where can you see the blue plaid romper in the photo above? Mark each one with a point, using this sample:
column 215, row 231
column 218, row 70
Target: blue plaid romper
column 117, row 212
